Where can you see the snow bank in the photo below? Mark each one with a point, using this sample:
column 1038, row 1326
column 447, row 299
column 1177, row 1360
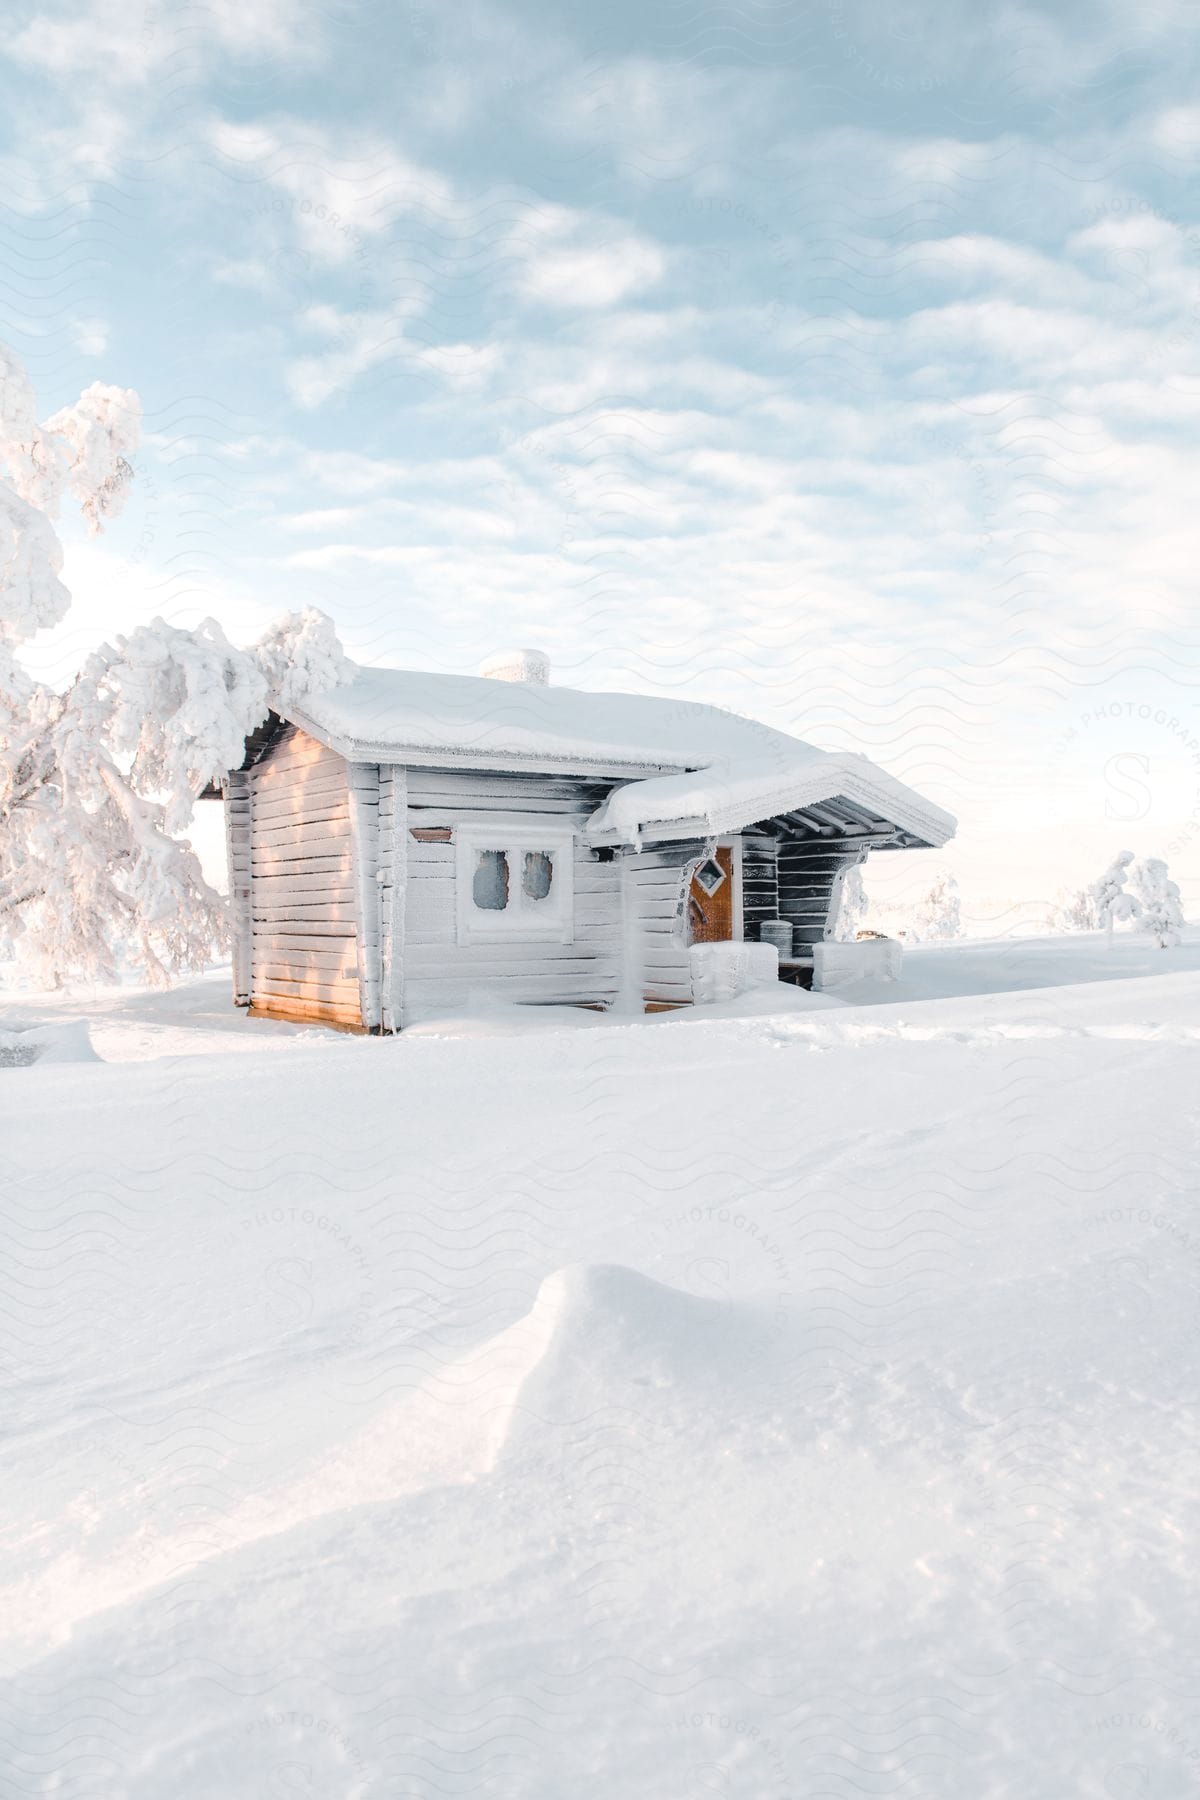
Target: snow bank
column 597, row 1328
column 723, row 971
column 823, row 1383
column 69, row 1042
column 837, row 965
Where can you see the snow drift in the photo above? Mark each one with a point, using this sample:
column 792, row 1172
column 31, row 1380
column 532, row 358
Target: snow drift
column 65, row 1042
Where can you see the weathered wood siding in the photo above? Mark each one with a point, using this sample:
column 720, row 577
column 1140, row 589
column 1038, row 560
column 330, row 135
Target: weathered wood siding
column 237, row 848
column 760, row 881
column 655, row 885
column 303, row 907
column 363, row 785
column 808, row 871
column 438, row 971
column 393, row 857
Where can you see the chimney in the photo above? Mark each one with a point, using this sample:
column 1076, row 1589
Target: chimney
column 517, row 665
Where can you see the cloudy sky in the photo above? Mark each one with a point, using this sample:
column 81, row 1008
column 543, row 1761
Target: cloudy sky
column 837, row 362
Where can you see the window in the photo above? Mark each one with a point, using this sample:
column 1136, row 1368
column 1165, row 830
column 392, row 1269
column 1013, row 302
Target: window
column 710, row 875
column 539, row 874
column 489, row 890
column 514, row 882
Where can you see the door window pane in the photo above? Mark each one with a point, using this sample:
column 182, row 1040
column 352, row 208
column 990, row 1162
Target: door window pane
column 538, row 874
column 710, row 875
column 490, row 887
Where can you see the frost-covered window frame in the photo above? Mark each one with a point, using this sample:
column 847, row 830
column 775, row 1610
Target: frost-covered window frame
column 523, row 920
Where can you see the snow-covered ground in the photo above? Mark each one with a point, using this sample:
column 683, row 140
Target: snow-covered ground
column 796, row 1400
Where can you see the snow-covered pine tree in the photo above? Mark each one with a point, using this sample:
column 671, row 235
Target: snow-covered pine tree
column 96, row 781
column 852, row 905
column 1160, row 900
column 1108, row 893
column 939, row 914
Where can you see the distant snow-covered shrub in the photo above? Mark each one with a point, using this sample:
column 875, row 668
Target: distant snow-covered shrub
column 1074, row 911
column 937, row 916
column 1159, row 901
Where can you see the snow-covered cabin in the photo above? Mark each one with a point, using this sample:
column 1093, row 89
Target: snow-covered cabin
column 410, row 843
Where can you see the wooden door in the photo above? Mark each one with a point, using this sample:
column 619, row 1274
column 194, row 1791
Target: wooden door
column 710, row 899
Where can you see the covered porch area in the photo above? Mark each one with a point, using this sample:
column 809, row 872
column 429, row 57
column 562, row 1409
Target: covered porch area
column 724, row 856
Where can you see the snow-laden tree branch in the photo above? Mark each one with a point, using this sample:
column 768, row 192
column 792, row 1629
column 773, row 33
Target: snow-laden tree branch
column 96, row 781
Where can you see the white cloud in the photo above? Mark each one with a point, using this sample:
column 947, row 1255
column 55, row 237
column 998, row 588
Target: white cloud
column 582, row 260
column 285, row 29
column 592, row 275
column 252, row 273
column 463, row 366
column 335, row 203
column 360, row 343
column 1177, row 131
column 322, row 518
column 116, row 46
column 92, row 39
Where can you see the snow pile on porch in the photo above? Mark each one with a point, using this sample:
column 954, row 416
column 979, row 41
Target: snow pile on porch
column 723, row 971
column 871, row 959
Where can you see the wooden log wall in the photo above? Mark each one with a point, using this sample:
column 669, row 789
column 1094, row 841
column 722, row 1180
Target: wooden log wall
column 393, row 836
column 303, row 933
column 655, row 905
column 363, row 785
column 760, row 881
column 809, row 869
column 438, row 971
column 237, row 848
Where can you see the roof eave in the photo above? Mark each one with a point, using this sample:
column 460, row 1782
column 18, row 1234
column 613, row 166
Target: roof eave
column 902, row 812
column 669, row 831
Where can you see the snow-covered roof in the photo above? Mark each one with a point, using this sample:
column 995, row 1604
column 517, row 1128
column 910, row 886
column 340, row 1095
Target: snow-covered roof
column 474, row 717
column 731, row 794
column 688, row 762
